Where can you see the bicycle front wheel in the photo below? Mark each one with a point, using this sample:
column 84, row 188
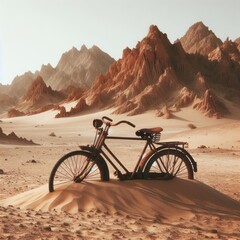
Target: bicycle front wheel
column 77, row 167
column 168, row 164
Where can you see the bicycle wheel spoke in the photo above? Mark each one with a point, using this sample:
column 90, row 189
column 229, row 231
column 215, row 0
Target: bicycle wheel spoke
column 76, row 167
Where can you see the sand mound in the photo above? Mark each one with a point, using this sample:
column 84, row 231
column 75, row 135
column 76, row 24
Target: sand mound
column 163, row 199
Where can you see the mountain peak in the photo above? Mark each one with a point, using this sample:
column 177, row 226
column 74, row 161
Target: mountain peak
column 199, row 39
column 155, row 33
column 37, row 87
column 83, row 48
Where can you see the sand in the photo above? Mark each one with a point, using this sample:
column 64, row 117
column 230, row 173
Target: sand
column 205, row 208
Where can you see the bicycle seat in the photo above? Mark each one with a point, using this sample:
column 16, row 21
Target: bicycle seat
column 148, row 131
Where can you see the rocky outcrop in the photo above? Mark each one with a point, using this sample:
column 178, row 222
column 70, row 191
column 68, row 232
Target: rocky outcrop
column 12, row 138
column 226, row 53
column 79, row 108
column 15, row 113
column 165, row 112
column 211, row 106
column 199, row 39
column 185, row 99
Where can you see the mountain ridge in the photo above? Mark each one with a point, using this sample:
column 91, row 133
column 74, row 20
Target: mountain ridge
column 151, row 76
column 154, row 75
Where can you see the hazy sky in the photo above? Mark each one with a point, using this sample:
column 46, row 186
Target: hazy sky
column 36, row 32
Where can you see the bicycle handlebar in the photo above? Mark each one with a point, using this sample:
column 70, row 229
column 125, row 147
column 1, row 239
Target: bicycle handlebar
column 115, row 124
column 107, row 118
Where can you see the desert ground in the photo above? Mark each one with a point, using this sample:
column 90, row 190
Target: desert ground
column 207, row 207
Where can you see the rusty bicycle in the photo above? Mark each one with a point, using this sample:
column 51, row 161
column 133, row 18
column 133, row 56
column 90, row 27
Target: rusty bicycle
column 158, row 160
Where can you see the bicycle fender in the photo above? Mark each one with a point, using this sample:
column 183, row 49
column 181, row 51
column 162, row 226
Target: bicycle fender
column 89, row 149
column 179, row 149
column 182, row 150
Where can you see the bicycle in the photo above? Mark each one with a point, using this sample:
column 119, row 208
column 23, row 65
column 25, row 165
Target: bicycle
column 163, row 161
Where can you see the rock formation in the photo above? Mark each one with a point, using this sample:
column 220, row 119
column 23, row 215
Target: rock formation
column 15, row 113
column 211, row 106
column 12, row 138
column 165, row 113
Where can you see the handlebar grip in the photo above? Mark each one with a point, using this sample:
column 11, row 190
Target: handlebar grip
column 107, row 118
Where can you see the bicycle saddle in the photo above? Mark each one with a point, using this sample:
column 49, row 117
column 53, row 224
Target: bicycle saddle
column 148, row 131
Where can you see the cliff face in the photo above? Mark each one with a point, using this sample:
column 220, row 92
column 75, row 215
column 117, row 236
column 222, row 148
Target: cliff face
column 199, row 39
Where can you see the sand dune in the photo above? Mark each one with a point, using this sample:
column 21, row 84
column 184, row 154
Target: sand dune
column 138, row 198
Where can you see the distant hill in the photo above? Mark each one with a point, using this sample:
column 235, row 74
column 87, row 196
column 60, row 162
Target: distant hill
column 79, row 68
column 76, row 68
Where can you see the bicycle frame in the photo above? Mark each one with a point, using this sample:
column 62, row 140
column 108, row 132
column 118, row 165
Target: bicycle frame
column 99, row 147
column 163, row 161
column 137, row 168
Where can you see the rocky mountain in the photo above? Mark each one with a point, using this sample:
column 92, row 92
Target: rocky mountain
column 76, row 68
column 197, row 71
column 74, row 73
column 37, row 96
column 157, row 74
column 199, row 39
column 79, row 68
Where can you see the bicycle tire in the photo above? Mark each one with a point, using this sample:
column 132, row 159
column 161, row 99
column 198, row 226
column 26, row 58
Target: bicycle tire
column 78, row 166
column 168, row 164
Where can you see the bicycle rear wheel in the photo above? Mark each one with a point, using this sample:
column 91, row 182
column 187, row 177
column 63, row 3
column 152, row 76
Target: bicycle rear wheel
column 78, row 166
column 168, row 164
